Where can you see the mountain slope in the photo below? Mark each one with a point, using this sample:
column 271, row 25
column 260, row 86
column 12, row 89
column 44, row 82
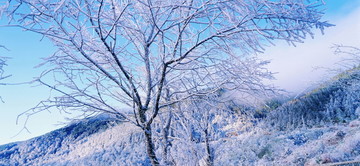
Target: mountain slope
column 83, row 142
column 337, row 101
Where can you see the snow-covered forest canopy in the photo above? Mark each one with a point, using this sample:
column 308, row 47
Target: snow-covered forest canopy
column 164, row 66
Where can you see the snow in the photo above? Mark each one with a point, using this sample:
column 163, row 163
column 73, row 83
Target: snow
column 123, row 145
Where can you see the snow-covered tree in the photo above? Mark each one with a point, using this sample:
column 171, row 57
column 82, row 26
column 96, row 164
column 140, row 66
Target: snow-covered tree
column 2, row 77
column 151, row 54
column 200, row 122
column 2, row 63
column 351, row 56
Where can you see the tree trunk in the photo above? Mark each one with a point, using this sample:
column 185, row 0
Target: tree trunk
column 209, row 160
column 166, row 141
column 150, row 147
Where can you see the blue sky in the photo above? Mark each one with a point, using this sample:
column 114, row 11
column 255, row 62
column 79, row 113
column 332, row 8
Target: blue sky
column 294, row 64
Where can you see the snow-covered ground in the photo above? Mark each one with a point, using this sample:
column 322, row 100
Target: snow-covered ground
column 318, row 145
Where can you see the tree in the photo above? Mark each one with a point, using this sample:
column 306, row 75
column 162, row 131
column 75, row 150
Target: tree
column 2, row 64
column 351, row 57
column 151, row 54
column 204, row 121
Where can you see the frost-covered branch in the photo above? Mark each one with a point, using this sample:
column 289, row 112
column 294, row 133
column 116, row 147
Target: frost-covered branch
column 351, row 55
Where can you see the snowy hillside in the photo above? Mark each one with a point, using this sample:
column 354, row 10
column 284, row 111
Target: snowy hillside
column 84, row 142
column 319, row 127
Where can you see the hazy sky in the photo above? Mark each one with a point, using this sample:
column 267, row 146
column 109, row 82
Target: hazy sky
column 293, row 64
column 297, row 66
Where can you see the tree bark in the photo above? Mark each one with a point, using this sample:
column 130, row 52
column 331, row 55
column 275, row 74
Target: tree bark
column 209, row 160
column 166, row 141
column 150, row 147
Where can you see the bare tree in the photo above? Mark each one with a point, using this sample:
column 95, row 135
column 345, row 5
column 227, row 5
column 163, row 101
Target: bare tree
column 2, row 64
column 187, row 126
column 2, row 77
column 205, row 120
column 351, row 56
column 127, row 52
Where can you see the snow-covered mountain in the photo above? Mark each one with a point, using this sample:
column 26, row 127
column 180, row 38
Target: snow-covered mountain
column 101, row 140
column 322, row 126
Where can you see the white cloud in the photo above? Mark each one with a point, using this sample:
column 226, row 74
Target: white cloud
column 295, row 65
